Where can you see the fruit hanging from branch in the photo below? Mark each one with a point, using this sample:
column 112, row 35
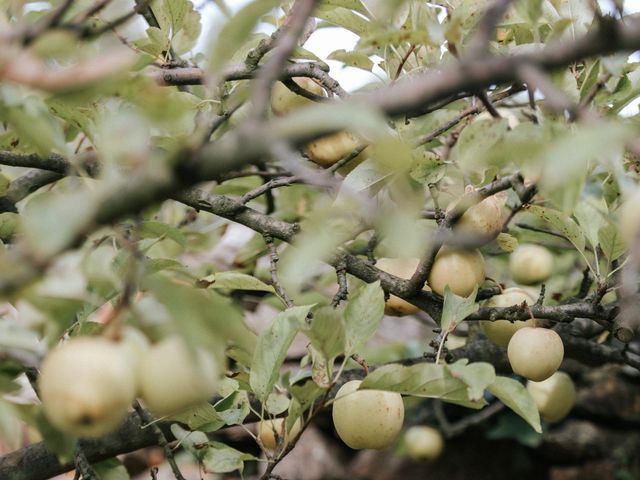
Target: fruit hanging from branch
column 535, row 353
column 501, row 331
column 87, row 386
column 367, row 418
column 554, row 396
column 462, row 270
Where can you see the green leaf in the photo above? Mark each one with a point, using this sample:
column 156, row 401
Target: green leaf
column 277, row 403
column 511, row 426
column 326, row 331
column 422, row 380
column 478, row 376
column 215, row 457
column 236, row 31
column 234, row 281
column 203, row 417
column 591, row 214
column 203, row 317
column 515, row 396
column 111, row 469
column 272, row 348
column 456, row 309
column 428, row 168
column 355, row 5
column 51, row 220
column 352, row 59
column 305, row 394
column 611, row 242
column 220, row 458
column 344, row 18
column 154, row 229
column 562, row 223
column 475, row 145
column 362, row 316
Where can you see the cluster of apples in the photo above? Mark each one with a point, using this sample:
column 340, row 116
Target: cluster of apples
column 374, row 418
column 363, row 419
column 87, row 384
column 534, row 352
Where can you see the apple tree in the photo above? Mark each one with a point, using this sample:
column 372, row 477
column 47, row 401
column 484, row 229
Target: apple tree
column 211, row 249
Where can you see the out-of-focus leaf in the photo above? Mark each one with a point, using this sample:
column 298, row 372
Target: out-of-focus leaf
column 236, row 31
column 234, row 281
column 611, row 242
column 344, row 18
column 202, row 317
column 591, row 214
column 506, row 242
column 111, row 469
column 352, row 59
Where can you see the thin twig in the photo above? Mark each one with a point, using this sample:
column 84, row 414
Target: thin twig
column 343, row 286
column 147, row 419
column 274, row 258
column 83, row 466
column 404, row 59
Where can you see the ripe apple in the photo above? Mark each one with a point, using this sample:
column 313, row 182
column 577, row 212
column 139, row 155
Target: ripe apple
column 461, row 269
column 403, row 268
column 484, row 220
column 501, row 331
column 554, row 396
column 535, row 353
column 367, row 418
column 530, row 264
column 423, row 443
column 174, row 378
column 629, row 218
column 326, row 151
column 267, row 432
column 86, row 386
column 284, row 101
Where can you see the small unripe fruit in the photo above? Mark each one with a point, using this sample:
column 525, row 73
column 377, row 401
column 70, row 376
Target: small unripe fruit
column 87, row 386
column 423, row 443
column 554, row 396
column 535, row 353
column 367, row 418
column 267, row 430
column 501, row 331
column 530, row 264
column 326, row 151
column 174, row 378
column 462, row 270
column 483, row 220
column 403, row 268
column 284, row 100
